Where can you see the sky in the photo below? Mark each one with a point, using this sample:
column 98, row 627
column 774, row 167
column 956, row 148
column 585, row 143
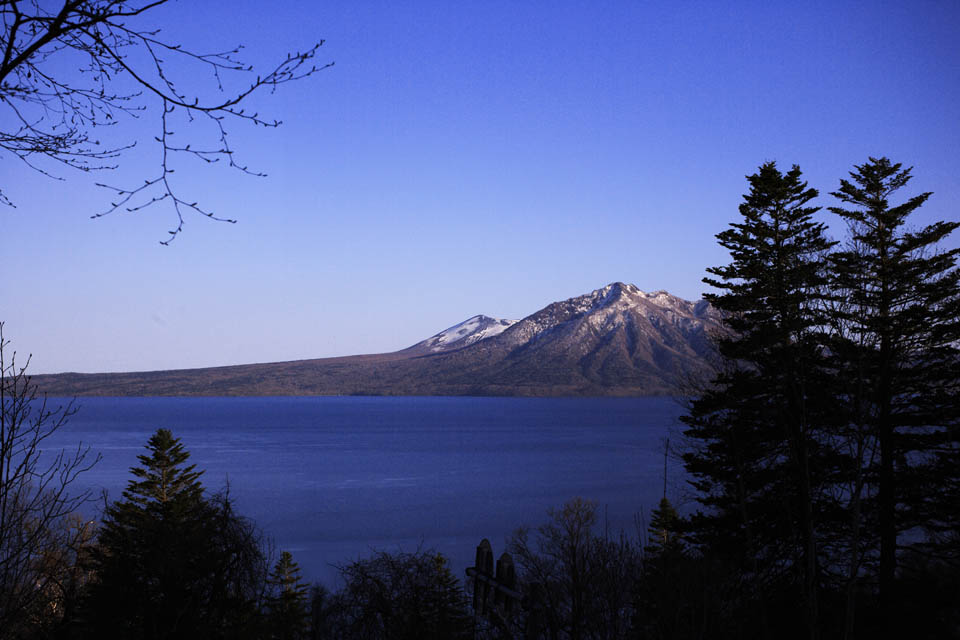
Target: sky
column 462, row 158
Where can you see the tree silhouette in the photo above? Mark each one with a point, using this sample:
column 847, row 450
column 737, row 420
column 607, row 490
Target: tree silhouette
column 577, row 583
column 286, row 606
column 758, row 429
column 828, row 444
column 169, row 560
column 40, row 535
column 902, row 328
column 402, row 596
column 671, row 591
column 122, row 68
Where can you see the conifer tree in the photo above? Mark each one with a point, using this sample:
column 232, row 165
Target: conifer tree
column 287, row 601
column 163, row 483
column 171, row 562
column 664, row 537
column 667, row 594
column 756, row 431
column 902, row 325
column 445, row 609
column 830, row 440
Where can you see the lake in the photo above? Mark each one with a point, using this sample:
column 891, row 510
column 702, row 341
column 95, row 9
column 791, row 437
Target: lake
column 332, row 478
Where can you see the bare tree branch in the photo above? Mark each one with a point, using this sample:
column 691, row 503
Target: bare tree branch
column 38, row 519
column 121, row 70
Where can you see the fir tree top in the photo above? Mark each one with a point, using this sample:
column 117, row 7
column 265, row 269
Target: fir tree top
column 163, row 478
column 897, row 279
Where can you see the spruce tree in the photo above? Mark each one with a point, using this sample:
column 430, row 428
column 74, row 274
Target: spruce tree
column 667, row 592
column 287, row 600
column 663, row 534
column 446, row 604
column 170, row 561
column 757, row 430
column 902, row 326
column 829, row 442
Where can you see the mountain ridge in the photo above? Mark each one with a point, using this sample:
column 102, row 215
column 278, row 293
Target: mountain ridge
column 616, row 340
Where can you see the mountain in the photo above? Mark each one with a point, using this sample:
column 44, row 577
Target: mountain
column 464, row 334
column 617, row 340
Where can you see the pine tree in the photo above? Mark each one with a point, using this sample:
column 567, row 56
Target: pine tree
column 287, row 603
column 664, row 537
column 830, row 440
column 446, row 607
column 757, row 429
column 171, row 562
column 667, row 594
column 902, row 325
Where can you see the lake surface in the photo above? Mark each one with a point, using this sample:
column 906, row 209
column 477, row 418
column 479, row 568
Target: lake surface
column 332, row 478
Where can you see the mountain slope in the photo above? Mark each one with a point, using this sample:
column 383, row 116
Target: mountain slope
column 617, row 340
column 462, row 335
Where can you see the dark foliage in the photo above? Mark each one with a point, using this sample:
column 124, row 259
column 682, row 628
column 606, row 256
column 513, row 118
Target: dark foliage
column 286, row 604
column 759, row 464
column 902, row 328
column 171, row 561
column 578, row 583
column 827, row 445
column 323, row 612
column 672, row 587
column 401, row 596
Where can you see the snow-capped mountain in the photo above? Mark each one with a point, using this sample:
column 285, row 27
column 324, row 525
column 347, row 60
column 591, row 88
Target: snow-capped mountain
column 613, row 307
column 616, row 340
column 464, row 334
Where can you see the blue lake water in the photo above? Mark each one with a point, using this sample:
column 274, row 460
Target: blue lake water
column 332, row 478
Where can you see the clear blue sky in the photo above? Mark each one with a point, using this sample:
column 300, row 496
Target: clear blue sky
column 471, row 157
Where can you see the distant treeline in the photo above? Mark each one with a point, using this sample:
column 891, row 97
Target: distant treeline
column 824, row 456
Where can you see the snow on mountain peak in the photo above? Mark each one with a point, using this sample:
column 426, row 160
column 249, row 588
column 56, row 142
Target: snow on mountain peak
column 662, row 299
column 467, row 332
column 613, row 292
column 604, row 309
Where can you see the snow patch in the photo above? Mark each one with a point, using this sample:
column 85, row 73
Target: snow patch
column 468, row 332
